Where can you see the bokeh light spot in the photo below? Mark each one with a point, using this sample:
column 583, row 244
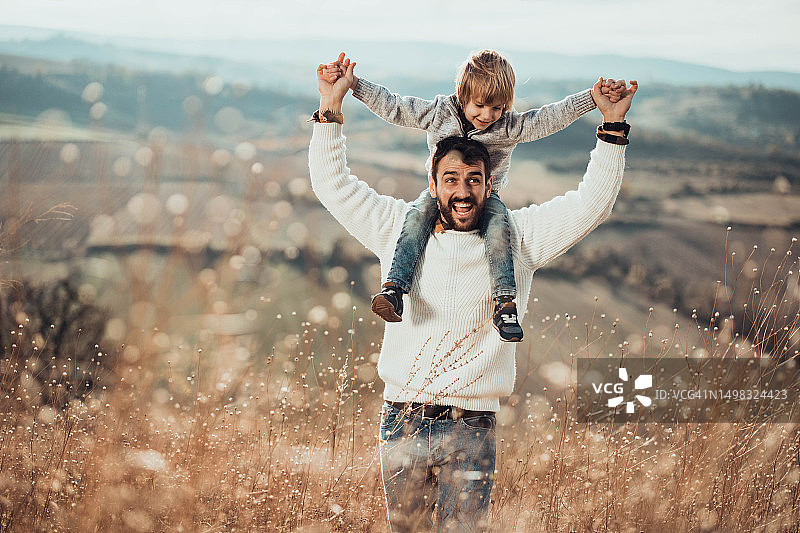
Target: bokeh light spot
column 282, row 209
column 213, row 85
column 229, row 119
column 143, row 156
column 245, row 151
column 218, row 209
column 342, row 301
column 144, row 208
column 177, row 204
column 192, row 105
column 122, row 166
column 98, row 111
column 69, row 153
column 317, row 315
column 93, row 92
column 221, row 158
column 338, row 274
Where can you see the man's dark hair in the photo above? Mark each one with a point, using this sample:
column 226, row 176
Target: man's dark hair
column 471, row 152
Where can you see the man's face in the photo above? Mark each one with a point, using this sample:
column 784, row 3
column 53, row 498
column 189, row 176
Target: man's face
column 482, row 114
column 460, row 190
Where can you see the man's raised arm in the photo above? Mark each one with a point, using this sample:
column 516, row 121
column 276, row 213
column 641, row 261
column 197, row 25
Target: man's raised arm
column 373, row 219
column 550, row 229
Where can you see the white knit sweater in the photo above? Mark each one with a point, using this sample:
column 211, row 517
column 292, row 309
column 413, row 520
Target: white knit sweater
column 445, row 351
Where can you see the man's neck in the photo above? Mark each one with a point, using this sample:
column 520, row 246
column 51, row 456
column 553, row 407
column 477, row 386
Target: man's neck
column 441, row 225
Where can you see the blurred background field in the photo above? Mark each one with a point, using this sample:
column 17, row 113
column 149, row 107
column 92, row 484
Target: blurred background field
column 187, row 341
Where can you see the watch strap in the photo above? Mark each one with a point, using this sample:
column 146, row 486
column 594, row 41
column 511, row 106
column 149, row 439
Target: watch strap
column 624, row 127
column 611, row 138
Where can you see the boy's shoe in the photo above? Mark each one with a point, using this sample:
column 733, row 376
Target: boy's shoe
column 505, row 320
column 388, row 304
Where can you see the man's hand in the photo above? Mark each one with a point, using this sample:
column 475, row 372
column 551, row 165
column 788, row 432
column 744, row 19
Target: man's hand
column 614, row 111
column 333, row 82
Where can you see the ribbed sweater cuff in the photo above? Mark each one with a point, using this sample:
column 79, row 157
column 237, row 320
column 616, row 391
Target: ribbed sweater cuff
column 584, row 102
column 326, row 132
column 613, row 153
column 365, row 90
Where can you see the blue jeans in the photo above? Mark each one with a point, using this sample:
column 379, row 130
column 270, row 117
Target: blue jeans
column 419, row 224
column 437, row 473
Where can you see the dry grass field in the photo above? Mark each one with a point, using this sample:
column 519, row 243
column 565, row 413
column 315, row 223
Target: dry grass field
column 211, row 366
column 289, row 443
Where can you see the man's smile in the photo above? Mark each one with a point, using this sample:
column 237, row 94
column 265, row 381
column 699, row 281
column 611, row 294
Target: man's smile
column 462, row 208
column 461, row 214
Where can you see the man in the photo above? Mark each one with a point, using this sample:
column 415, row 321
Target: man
column 444, row 371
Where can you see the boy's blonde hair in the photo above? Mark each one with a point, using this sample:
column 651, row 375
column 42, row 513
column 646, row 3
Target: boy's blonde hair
column 486, row 76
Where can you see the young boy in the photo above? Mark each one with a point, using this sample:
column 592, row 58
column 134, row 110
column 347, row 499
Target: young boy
column 481, row 108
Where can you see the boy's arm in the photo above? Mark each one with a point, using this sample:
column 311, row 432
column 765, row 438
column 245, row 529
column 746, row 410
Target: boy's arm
column 408, row 111
column 550, row 229
column 549, row 119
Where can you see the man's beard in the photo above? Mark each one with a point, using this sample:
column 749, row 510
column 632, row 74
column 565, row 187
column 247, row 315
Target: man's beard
column 469, row 224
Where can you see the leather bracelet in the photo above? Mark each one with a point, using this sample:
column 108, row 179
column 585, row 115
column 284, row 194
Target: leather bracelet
column 611, row 138
column 326, row 117
column 624, row 127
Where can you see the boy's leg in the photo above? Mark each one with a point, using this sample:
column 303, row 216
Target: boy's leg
column 497, row 240
column 413, row 238
column 388, row 304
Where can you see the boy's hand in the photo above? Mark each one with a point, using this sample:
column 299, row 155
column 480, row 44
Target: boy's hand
column 612, row 89
column 336, row 69
column 332, row 72
column 614, row 111
column 333, row 86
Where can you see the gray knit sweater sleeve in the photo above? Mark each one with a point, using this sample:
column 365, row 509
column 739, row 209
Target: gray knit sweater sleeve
column 548, row 119
column 408, row 111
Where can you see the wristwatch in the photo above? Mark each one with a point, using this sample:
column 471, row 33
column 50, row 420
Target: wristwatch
column 605, row 127
column 326, row 117
column 624, row 127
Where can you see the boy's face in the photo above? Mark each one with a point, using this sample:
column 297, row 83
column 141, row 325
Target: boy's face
column 482, row 114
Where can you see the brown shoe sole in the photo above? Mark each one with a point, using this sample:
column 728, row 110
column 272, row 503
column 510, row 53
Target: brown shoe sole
column 384, row 309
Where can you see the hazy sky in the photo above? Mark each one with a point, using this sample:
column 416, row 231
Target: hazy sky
column 734, row 34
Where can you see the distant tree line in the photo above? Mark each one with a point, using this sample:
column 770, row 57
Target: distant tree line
column 136, row 99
